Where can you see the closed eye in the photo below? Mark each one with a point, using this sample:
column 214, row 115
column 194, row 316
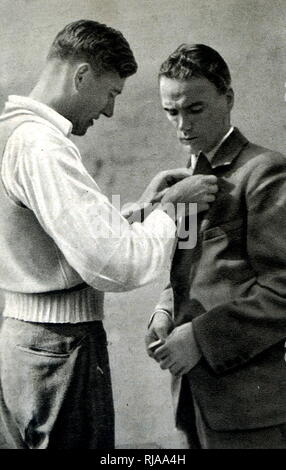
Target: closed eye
column 171, row 112
column 195, row 109
column 114, row 93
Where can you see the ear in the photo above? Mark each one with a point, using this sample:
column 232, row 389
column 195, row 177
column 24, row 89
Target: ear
column 82, row 75
column 230, row 98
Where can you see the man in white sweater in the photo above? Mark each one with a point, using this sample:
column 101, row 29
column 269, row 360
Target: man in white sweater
column 63, row 244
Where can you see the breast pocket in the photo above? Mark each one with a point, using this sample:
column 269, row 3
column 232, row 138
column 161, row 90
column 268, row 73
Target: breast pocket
column 224, row 250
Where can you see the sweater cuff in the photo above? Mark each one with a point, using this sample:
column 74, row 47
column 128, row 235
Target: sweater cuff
column 161, row 311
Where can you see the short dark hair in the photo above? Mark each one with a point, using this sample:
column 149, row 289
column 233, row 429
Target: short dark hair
column 197, row 60
column 103, row 47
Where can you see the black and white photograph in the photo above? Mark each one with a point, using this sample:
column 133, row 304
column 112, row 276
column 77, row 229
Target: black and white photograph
column 142, row 227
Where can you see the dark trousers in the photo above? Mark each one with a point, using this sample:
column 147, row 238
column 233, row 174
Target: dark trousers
column 55, row 387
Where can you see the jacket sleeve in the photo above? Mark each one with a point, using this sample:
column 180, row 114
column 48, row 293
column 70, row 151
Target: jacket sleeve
column 166, row 300
column 164, row 304
column 232, row 333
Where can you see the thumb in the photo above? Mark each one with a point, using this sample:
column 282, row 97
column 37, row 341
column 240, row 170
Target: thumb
column 179, row 174
column 154, row 346
column 158, row 196
column 203, row 206
column 163, row 332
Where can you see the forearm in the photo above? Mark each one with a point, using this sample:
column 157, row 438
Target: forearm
column 166, row 301
column 98, row 243
column 116, row 262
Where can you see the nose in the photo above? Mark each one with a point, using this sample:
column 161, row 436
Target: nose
column 184, row 122
column 109, row 108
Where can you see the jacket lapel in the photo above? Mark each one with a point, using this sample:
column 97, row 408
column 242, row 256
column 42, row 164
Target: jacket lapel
column 183, row 260
column 230, row 149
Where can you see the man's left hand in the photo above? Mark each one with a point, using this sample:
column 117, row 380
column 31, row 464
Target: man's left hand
column 180, row 352
column 158, row 330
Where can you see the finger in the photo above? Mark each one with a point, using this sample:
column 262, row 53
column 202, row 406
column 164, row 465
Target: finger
column 202, row 207
column 163, row 192
column 150, row 337
column 181, row 172
column 161, row 353
column 150, row 353
column 209, row 198
column 212, row 179
column 177, row 176
column 167, row 363
column 163, row 357
column 160, row 360
column 155, row 344
column 158, row 196
column 212, row 188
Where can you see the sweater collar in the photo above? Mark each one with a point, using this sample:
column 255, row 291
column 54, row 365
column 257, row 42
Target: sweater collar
column 17, row 103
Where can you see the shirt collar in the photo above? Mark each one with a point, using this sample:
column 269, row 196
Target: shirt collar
column 213, row 151
column 18, row 103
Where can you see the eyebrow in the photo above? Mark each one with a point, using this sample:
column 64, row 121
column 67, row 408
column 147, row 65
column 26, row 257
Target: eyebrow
column 117, row 90
column 196, row 103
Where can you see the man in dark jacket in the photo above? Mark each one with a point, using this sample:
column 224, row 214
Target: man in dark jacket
column 220, row 325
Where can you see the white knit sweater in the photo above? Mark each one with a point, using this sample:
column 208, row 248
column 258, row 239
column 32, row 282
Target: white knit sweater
column 57, row 230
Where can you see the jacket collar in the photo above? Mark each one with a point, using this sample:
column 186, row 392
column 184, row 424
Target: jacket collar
column 229, row 149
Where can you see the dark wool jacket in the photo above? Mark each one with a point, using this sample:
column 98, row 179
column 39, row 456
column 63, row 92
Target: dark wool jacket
column 232, row 286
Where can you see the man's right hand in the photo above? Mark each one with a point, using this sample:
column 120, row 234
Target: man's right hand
column 158, row 331
column 160, row 184
column 200, row 189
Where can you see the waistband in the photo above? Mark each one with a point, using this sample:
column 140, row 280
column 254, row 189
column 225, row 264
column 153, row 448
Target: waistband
column 76, row 305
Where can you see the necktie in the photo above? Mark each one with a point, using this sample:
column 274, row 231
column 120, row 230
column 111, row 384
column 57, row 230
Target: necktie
column 181, row 270
column 203, row 166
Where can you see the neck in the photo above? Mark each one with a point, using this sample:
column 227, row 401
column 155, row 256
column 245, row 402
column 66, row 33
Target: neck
column 222, row 134
column 52, row 87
